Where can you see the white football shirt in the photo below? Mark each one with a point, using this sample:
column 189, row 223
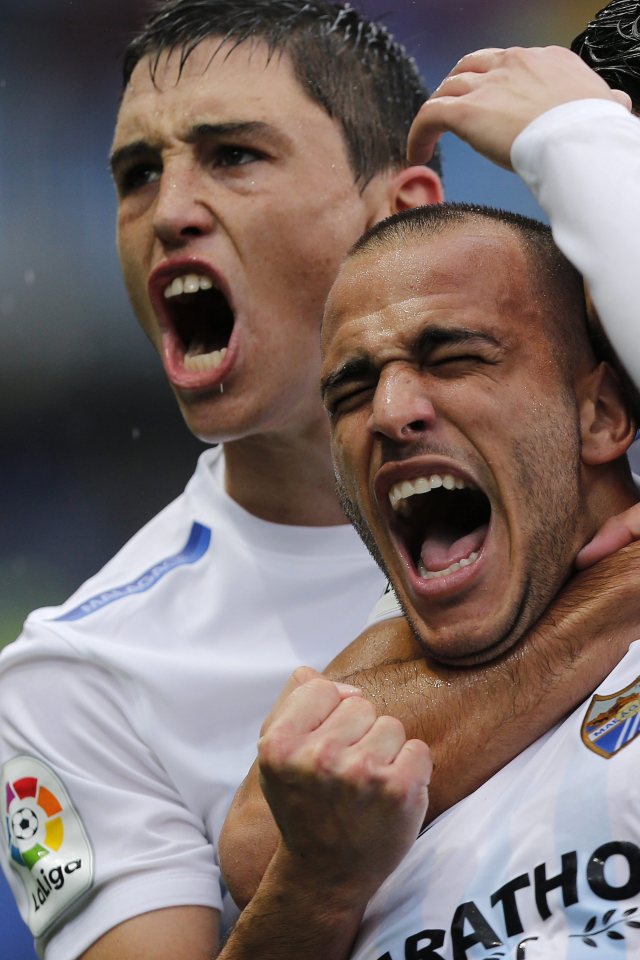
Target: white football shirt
column 130, row 714
column 541, row 863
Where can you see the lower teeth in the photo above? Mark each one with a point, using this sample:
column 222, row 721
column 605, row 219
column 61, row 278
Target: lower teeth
column 433, row 574
column 201, row 362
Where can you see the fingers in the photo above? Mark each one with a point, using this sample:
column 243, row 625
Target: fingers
column 623, row 98
column 301, row 676
column 383, row 741
column 491, row 95
column 431, row 121
column 317, row 729
column 331, row 761
column 438, row 115
column 616, row 533
column 424, row 134
column 413, row 765
column 479, row 61
column 309, row 705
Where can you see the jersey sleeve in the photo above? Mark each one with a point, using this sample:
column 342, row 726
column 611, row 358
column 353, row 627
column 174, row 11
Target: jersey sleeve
column 581, row 160
column 95, row 832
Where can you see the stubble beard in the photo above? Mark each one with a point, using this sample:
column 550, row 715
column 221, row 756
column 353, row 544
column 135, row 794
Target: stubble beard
column 547, row 475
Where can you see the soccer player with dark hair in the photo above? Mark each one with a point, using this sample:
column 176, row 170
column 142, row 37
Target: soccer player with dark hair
column 255, row 141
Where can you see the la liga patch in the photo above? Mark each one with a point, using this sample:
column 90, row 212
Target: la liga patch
column 612, row 721
column 46, row 842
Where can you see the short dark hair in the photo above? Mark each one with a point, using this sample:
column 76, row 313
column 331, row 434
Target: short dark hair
column 436, row 218
column 351, row 66
column 610, row 45
column 549, row 265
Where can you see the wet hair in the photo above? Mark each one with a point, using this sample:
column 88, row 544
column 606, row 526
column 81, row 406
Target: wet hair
column 610, row 45
column 349, row 65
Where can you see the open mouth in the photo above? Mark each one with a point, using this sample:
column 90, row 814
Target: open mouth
column 442, row 522
column 201, row 319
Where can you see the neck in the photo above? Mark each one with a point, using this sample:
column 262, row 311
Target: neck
column 284, row 479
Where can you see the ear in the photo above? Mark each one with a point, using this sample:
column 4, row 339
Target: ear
column 606, row 426
column 414, row 187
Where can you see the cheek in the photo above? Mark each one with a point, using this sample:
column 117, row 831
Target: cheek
column 315, row 240
column 350, row 455
column 136, row 288
column 127, row 250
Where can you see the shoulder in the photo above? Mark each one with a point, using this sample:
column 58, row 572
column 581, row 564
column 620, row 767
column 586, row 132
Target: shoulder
column 177, row 539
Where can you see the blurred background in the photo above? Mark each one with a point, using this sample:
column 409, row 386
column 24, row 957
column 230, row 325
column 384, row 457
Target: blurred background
column 91, row 446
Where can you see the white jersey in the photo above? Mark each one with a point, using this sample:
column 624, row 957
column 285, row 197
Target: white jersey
column 130, row 714
column 541, row 863
column 581, row 160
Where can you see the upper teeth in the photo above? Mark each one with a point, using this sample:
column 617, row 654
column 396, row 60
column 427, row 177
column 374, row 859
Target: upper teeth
column 189, row 283
column 401, row 491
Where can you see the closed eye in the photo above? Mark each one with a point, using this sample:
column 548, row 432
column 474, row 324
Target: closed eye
column 454, row 349
column 458, row 363
column 349, row 401
column 458, row 358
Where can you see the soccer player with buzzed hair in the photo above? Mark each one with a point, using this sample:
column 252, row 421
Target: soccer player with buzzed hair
column 482, row 315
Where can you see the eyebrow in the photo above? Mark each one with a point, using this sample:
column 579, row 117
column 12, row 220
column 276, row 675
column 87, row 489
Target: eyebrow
column 199, row 131
column 233, row 128
column 435, row 336
column 357, row 368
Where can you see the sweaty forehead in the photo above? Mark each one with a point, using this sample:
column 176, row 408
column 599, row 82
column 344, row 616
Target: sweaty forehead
column 217, row 76
column 471, row 269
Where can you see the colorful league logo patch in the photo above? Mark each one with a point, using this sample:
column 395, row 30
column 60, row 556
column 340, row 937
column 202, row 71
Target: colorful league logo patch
column 46, row 842
column 612, row 721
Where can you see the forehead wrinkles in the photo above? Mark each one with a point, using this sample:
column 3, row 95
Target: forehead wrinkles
column 211, row 64
column 223, row 84
column 452, row 273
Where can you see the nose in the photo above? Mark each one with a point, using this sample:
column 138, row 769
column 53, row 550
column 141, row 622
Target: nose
column 182, row 209
column 401, row 409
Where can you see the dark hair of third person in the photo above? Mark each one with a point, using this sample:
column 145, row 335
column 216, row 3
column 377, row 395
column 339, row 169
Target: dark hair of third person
column 610, row 45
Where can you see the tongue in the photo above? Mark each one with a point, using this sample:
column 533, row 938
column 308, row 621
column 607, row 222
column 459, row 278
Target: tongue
column 438, row 552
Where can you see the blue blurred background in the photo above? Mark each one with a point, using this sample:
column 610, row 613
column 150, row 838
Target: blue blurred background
column 90, row 443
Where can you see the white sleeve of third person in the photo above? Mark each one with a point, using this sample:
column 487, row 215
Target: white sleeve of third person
column 581, row 161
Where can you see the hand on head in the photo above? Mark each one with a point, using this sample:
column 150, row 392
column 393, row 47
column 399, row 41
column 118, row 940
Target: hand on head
column 491, row 95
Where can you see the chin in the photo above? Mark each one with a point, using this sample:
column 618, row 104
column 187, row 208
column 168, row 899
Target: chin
column 461, row 643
